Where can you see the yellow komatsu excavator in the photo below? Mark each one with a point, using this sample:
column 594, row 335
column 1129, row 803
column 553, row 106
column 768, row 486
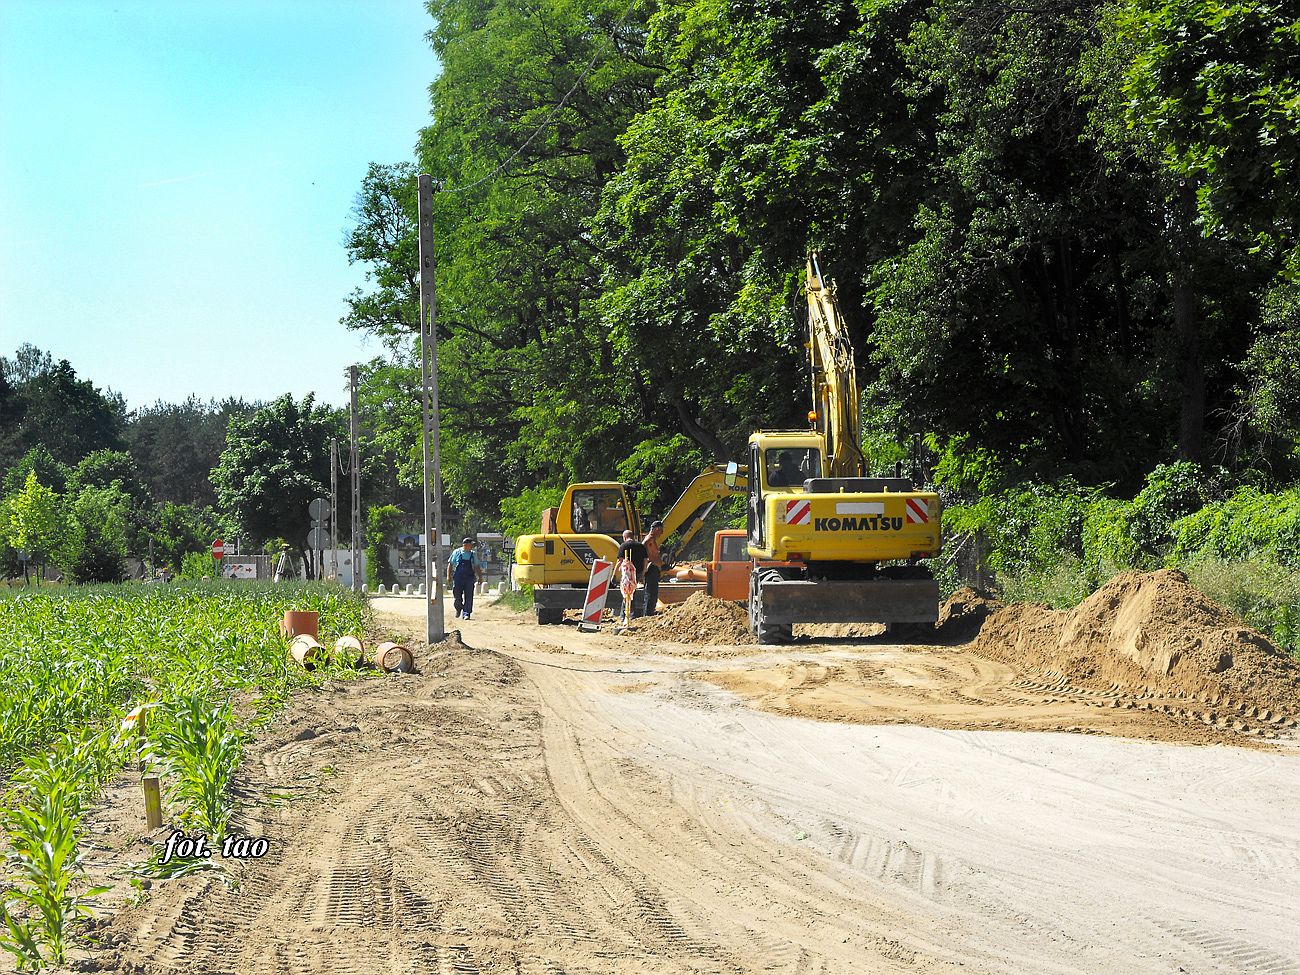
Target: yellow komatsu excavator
column 853, row 542
column 589, row 524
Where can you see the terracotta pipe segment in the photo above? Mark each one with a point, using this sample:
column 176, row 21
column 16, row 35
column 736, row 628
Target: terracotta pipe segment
column 349, row 650
column 307, row 651
column 394, row 658
column 299, row 623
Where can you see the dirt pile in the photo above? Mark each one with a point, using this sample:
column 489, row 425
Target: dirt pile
column 963, row 613
column 1147, row 630
column 700, row 619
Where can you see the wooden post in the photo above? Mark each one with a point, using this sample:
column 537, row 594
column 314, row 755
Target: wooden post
column 152, row 802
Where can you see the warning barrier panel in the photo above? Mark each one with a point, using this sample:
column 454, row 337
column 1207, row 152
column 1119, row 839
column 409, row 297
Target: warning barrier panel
column 602, row 571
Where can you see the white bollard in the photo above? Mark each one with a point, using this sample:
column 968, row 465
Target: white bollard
column 365, row 590
column 422, row 589
column 382, row 589
column 410, row 589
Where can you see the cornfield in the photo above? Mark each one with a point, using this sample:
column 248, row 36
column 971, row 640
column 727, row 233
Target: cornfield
column 72, row 664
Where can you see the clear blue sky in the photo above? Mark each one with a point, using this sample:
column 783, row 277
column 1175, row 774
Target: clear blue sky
column 176, row 178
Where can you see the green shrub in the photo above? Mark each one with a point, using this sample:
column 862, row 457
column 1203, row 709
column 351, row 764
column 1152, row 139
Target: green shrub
column 198, row 565
column 1261, row 591
column 382, row 522
column 1246, row 525
column 1107, row 540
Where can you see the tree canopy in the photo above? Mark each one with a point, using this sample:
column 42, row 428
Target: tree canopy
column 1061, row 233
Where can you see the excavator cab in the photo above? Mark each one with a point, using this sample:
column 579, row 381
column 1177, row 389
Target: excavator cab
column 789, row 467
column 601, row 509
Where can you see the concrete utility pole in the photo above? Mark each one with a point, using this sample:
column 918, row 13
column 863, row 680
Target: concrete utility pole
column 432, row 442
column 334, row 509
column 354, row 467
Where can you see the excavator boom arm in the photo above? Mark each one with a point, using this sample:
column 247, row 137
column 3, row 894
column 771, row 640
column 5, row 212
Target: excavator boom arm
column 697, row 500
column 834, row 378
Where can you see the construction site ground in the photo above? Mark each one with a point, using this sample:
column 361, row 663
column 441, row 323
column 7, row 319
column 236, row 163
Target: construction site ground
column 541, row 800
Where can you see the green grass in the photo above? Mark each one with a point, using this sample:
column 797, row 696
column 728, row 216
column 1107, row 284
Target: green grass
column 520, row 601
column 74, row 661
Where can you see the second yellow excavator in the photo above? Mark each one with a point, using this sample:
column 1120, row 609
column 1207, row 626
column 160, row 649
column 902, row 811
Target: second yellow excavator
column 589, row 524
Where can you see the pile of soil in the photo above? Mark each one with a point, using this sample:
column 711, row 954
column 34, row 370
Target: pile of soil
column 700, row 619
column 963, row 613
column 1147, row 630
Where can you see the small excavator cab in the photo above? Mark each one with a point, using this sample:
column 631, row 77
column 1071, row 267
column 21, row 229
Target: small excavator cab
column 600, row 509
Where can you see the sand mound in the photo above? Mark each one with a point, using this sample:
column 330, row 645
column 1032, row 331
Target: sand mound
column 1148, row 630
column 963, row 613
column 700, row 619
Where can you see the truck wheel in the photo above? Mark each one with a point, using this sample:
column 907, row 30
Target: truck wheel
column 549, row 616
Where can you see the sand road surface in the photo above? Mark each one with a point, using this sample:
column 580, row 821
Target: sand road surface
column 545, row 801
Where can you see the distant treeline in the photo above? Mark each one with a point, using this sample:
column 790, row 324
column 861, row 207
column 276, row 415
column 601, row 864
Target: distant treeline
column 86, row 484
column 1064, row 235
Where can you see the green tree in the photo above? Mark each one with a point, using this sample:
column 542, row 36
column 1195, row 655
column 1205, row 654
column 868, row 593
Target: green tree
column 37, row 524
column 40, row 462
column 1214, row 87
column 47, row 405
column 277, row 459
column 178, row 529
column 95, row 548
column 176, row 446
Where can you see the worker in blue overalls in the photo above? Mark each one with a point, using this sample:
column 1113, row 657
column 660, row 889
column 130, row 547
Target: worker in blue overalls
column 462, row 570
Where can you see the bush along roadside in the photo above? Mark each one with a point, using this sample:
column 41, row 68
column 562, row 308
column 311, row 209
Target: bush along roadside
column 1057, row 543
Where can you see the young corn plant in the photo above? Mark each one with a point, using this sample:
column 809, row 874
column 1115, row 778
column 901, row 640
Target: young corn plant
column 197, row 744
column 43, row 862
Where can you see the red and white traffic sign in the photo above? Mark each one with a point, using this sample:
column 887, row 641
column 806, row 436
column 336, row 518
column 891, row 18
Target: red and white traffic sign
column 218, row 549
column 597, row 594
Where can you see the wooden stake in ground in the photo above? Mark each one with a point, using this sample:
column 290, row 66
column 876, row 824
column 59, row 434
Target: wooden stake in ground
column 152, row 802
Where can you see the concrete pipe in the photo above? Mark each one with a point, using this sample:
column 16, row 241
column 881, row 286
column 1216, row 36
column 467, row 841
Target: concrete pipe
column 306, row 651
column 393, row 658
column 298, row 623
column 348, row 650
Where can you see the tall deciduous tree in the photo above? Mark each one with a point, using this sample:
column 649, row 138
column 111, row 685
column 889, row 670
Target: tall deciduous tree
column 276, row 461
column 37, row 523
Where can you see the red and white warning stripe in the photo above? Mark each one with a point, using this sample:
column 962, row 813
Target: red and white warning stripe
column 918, row 511
column 597, row 591
column 798, row 512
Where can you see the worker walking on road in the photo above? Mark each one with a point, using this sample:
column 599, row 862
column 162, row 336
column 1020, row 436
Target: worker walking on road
column 630, row 569
column 653, row 568
column 462, row 570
